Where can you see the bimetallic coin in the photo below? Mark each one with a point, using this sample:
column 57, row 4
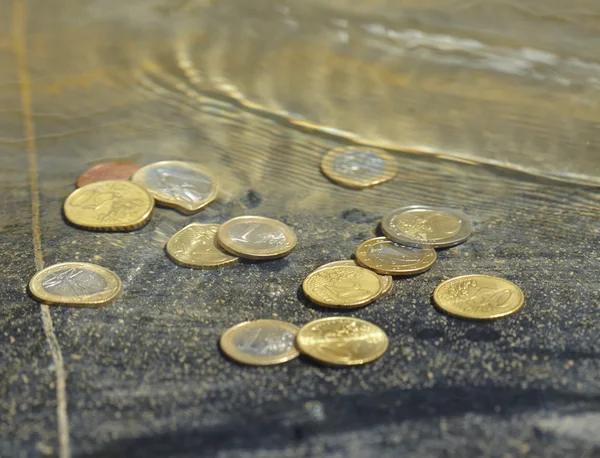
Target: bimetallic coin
column 184, row 186
column 385, row 280
column 261, row 342
column 342, row 341
column 255, row 237
column 76, row 284
column 196, row 246
column 356, row 167
column 389, row 258
column 423, row 226
column 112, row 205
column 342, row 286
column 120, row 170
column 479, row 297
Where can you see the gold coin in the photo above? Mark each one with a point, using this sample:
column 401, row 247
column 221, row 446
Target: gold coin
column 261, row 342
column 356, row 167
column 75, row 283
column 480, row 297
column 255, row 237
column 388, row 258
column 184, row 186
column 342, row 341
column 112, row 205
column 196, row 246
column 342, row 286
column 385, row 280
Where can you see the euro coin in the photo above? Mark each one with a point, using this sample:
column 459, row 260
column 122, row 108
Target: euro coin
column 196, row 246
column 385, row 280
column 120, row 170
column 389, row 258
column 356, row 167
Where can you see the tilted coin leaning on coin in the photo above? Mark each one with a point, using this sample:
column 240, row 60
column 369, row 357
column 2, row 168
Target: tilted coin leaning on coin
column 196, row 246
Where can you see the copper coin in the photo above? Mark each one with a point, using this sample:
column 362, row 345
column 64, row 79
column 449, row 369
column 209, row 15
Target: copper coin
column 120, row 170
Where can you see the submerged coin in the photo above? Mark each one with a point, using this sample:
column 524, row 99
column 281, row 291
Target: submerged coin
column 261, row 342
column 120, row 170
column 385, row 280
column 356, row 167
column 342, row 286
column 480, row 297
column 75, row 283
column 423, row 226
column 342, row 341
column 112, row 205
column 196, row 246
column 255, row 237
column 184, row 186
column 389, row 258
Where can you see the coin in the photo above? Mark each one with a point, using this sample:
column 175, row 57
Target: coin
column 261, row 342
column 255, row 237
column 112, row 205
column 75, row 283
column 423, row 226
column 480, row 297
column 357, row 167
column 120, row 170
column 196, row 246
column 342, row 286
column 342, row 341
column 389, row 258
column 184, row 186
column 385, row 280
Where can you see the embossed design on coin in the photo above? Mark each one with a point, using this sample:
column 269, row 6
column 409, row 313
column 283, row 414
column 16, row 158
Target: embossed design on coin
column 357, row 167
column 119, row 170
column 423, row 226
column 184, row 186
column 112, row 205
column 480, row 297
column 255, row 237
column 75, row 283
column 196, row 246
column 388, row 258
column 341, row 286
column 261, row 342
column 342, row 341
column 385, row 280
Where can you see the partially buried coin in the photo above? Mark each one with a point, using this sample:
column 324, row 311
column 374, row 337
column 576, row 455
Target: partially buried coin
column 255, row 237
column 423, row 226
column 342, row 341
column 112, row 205
column 479, row 297
column 261, row 342
column 356, row 167
column 385, row 280
column 342, row 286
column 184, row 186
column 120, row 170
column 75, row 284
column 389, row 258
column 196, row 246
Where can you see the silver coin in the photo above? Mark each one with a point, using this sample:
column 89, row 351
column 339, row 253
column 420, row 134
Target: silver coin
column 424, row 226
column 264, row 341
column 357, row 167
column 74, row 282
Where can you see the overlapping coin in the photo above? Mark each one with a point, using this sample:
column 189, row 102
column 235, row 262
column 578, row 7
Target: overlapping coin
column 424, row 226
column 342, row 341
column 196, row 246
column 357, row 167
column 385, row 280
column 112, row 205
column 75, row 283
column 389, row 258
column 261, row 342
column 184, row 186
column 119, row 170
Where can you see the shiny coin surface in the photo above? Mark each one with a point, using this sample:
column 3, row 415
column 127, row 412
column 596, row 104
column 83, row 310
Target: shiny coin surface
column 112, row 205
column 385, row 280
column 424, row 226
column 120, row 170
column 255, row 237
column 261, row 342
column 479, row 297
column 184, row 186
column 356, row 167
column 76, row 284
column 342, row 286
column 342, row 341
column 196, row 246
column 389, row 258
